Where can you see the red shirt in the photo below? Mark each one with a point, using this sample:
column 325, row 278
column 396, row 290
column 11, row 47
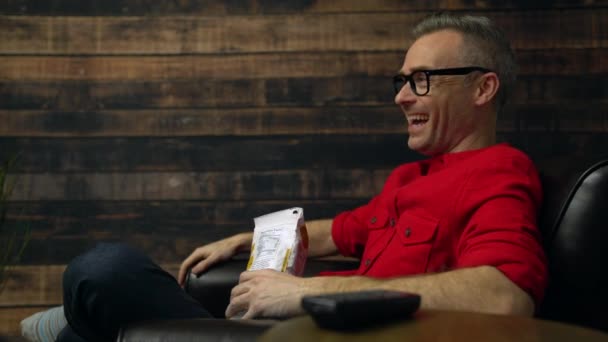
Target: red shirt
column 452, row 211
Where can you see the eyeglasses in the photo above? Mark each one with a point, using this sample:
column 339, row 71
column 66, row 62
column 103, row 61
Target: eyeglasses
column 419, row 79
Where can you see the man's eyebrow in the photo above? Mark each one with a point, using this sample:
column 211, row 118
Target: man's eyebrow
column 414, row 69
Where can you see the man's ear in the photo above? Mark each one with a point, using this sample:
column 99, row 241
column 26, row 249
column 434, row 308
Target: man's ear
column 487, row 87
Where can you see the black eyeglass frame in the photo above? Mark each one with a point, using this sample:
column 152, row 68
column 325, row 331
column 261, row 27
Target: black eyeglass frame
column 400, row 80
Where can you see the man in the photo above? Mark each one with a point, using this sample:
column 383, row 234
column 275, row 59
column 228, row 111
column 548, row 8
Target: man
column 458, row 228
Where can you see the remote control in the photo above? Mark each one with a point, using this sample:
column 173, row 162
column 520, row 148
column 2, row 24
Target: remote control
column 361, row 309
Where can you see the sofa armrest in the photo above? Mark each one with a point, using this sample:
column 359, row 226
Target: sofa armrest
column 191, row 330
column 212, row 288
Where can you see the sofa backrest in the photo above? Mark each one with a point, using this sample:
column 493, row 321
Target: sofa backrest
column 574, row 225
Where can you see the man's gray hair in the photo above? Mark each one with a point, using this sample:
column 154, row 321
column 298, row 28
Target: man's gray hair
column 485, row 45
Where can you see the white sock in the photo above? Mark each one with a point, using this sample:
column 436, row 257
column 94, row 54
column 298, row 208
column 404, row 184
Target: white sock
column 44, row 326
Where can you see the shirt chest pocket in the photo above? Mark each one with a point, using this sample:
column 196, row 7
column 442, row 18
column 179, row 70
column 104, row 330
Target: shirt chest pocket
column 400, row 247
column 414, row 229
column 411, row 248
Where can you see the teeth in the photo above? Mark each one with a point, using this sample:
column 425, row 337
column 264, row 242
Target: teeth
column 417, row 118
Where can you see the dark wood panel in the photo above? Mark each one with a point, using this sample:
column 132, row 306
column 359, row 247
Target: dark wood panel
column 574, row 116
column 561, row 89
column 245, row 185
column 168, row 35
column 229, row 34
column 320, row 6
column 159, row 246
column 126, row 7
column 39, row 286
column 557, row 61
column 10, row 318
column 205, row 122
column 226, row 67
column 563, row 118
column 223, row 7
column 254, row 66
column 32, row 285
column 168, row 230
column 206, row 153
column 304, row 92
column 554, row 28
column 554, row 144
column 79, row 96
column 104, row 219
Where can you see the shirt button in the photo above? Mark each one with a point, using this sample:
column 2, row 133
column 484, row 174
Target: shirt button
column 367, row 262
column 392, row 222
column 373, row 220
column 408, row 232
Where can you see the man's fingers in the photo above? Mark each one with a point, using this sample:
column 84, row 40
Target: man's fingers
column 250, row 314
column 181, row 278
column 193, row 258
column 248, row 275
column 183, row 269
column 237, row 305
column 204, row 264
column 238, row 290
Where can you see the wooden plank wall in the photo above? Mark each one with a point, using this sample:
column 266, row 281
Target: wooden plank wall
column 168, row 124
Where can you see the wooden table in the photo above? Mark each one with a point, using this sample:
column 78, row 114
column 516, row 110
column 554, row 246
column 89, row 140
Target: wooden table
column 440, row 326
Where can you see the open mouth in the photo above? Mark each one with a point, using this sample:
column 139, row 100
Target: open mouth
column 417, row 120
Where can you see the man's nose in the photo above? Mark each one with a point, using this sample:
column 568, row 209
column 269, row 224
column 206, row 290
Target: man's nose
column 405, row 96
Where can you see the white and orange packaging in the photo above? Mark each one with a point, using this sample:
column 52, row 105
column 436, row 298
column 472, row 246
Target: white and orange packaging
column 280, row 242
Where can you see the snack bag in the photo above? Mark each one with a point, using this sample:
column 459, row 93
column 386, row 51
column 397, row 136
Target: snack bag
column 280, row 242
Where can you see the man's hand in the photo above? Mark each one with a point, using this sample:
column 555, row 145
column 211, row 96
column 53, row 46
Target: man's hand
column 204, row 257
column 268, row 293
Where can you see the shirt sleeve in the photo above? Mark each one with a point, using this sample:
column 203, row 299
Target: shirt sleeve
column 349, row 230
column 502, row 229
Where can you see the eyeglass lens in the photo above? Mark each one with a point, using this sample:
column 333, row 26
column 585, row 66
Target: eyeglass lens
column 419, row 82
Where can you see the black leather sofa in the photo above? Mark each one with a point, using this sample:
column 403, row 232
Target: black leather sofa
column 574, row 224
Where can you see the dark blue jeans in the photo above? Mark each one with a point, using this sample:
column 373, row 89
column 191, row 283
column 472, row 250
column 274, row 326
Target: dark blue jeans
column 114, row 285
